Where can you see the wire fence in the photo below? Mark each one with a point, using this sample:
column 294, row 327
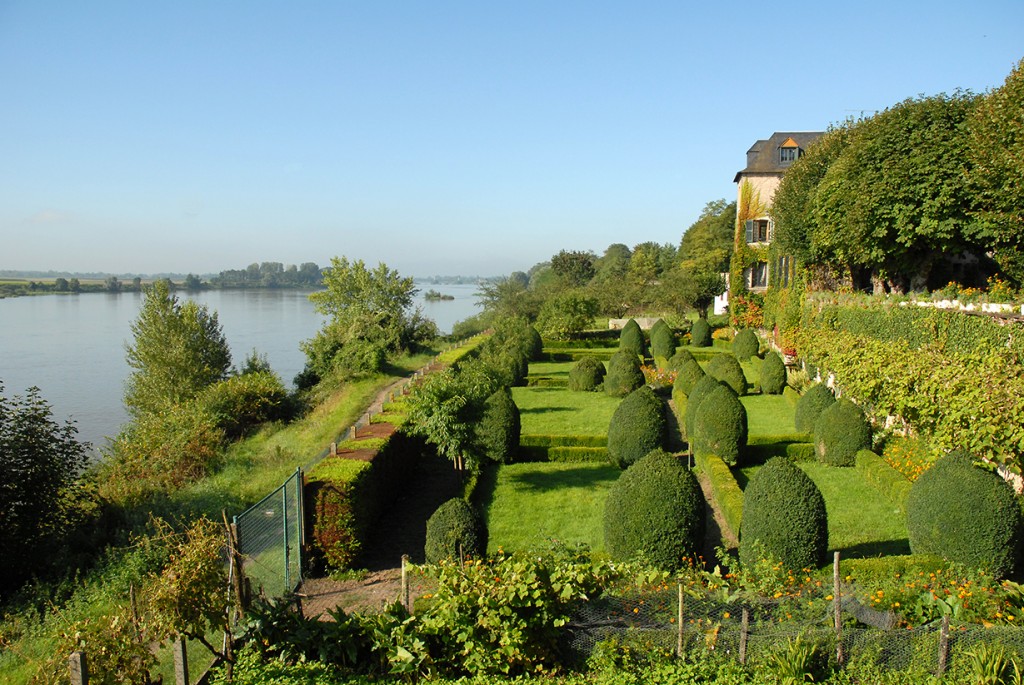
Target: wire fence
column 270, row 539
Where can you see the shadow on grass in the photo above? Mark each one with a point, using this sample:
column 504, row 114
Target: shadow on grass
column 544, row 410
column 579, row 477
column 876, row 548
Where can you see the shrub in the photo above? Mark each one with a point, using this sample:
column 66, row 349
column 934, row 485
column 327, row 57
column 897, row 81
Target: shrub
column 497, row 433
column 587, row 374
column 840, row 432
column 679, row 359
column 632, row 338
column 784, row 518
column 726, row 368
column 773, row 374
column 243, row 402
column 700, row 390
column 636, row 428
column 624, row 374
column 453, row 525
column 536, row 344
column 688, row 376
column 700, row 333
column 817, row 399
column 720, row 425
column 663, row 341
column 745, row 345
column 965, row 514
column 656, row 509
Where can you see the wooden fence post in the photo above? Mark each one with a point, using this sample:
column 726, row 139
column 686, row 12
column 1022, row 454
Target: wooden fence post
column 78, row 668
column 180, row 662
column 943, row 646
column 679, row 620
column 838, row 605
column 744, row 635
column 405, row 584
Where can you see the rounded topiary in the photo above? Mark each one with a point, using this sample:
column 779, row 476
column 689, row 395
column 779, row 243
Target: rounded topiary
column 841, row 431
column 699, row 391
column 681, row 357
column 773, row 374
column 497, row 432
column 815, row 400
column 745, row 345
column 966, row 515
column 720, row 425
column 655, row 509
column 784, row 517
column 688, row 376
column 636, row 428
column 632, row 338
column 663, row 342
column 700, row 333
column 624, row 374
column 453, row 527
column 587, row 374
column 536, row 344
column 726, row 368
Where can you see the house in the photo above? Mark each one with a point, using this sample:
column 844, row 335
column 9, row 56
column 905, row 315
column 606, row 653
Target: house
column 767, row 161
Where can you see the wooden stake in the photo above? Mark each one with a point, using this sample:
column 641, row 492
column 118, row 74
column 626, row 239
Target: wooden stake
column 838, row 606
column 679, row 620
column 943, row 646
column 744, row 634
column 405, row 584
column 78, row 668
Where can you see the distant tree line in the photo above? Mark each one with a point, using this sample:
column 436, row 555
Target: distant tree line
column 268, row 275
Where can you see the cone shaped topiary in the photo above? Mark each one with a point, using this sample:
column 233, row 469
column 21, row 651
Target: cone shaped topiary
column 720, row 425
column 745, row 345
column 536, row 348
column 784, row 518
column 815, row 400
column 966, row 515
column 700, row 333
column 656, row 509
column 700, row 390
column 841, row 431
column 773, row 374
column 632, row 338
column 726, row 368
column 587, row 374
column 497, row 432
column 454, row 527
column 680, row 359
column 636, row 428
column 688, row 376
column 663, row 343
column 624, row 374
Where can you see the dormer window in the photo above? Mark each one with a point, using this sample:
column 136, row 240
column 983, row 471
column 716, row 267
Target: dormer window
column 788, row 151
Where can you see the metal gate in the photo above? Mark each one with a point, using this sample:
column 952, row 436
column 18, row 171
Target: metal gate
column 270, row 539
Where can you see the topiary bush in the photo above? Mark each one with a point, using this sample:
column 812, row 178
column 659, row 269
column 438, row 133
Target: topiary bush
column 636, row 428
column 587, row 374
column 656, row 509
column 536, row 344
column 680, row 359
column 817, row 399
column 700, row 390
column 773, row 374
column 841, row 431
column 497, row 432
column 720, row 425
column 746, row 345
column 688, row 376
column 726, row 368
column 700, row 333
column 453, row 524
column 632, row 338
column 663, row 342
column 966, row 515
column 624, row 374
column 784, row 518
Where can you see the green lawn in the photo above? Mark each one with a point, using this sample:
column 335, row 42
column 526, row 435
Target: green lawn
column 768, row 415
column 530, row 504
column 547, row 410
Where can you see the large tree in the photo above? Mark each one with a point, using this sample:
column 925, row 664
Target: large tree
column 709, row 240
column 574, row 268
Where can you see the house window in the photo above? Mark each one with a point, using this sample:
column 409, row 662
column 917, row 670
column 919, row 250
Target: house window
column 756, row 230
column 788, row 154
column 757, row 275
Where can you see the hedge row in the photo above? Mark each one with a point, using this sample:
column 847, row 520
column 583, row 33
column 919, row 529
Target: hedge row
column 563, row 441
column 724, row 489
column 883, row 477
column 565, row 448
column 578, row 455
column 794, row 451
column 546, row 382
column 576, row 355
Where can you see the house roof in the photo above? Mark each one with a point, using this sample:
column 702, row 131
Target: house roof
column 763, row 156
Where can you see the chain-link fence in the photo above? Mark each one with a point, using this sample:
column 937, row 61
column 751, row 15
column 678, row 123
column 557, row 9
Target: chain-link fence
column 270, row 538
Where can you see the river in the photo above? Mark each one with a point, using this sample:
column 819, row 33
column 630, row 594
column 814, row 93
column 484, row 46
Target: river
column 72, row 347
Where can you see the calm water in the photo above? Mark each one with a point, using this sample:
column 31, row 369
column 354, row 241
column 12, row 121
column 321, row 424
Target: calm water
column 72, row 346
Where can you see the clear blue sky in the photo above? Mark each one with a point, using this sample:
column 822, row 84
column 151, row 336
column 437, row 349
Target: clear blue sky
column 438, row 137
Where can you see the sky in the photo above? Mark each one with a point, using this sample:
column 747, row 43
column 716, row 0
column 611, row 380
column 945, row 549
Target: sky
column 474, row 138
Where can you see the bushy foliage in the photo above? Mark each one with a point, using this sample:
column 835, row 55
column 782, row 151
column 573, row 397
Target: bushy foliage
column 632, row 338
column 587, row 374
column 745, row 345
column 967, row 515
column 536, row 344
column 636, row 428
column 688, row 375
column 453, row 528
column 663, row 341
column 700, row 390
column 567, row 314
column 726, row 368
column 773, row 374
column 817, row 399
column 784, row 517
column 700, row 333
column 678, row 360
column 655, row 509
column 624, row 374
column 243, row 402
column 497, row 432
column 841, row 431
column 720, row 425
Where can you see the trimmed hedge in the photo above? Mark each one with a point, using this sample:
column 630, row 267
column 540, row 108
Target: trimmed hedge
column 624, row 374
column 792, row 449
column 773, row 374
column 655, row 509
column 663, row 341
column 784, row 518
column 578, row 455
column 720, row 425
column 726, row 368
column 497, row 433
column 746, row 345
column 688, row 376
column 587, row 374
column 817, row 399
column 700, row 390
column 700, row 333
column 562, row 447
column 840, row 432
column 967, row 515
column 632, row 339
column 725, row 490
column 454, row 527
column 883, row 477
column 636, row 428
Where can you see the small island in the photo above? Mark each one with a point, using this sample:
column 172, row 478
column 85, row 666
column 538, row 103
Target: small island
column 434, row 296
